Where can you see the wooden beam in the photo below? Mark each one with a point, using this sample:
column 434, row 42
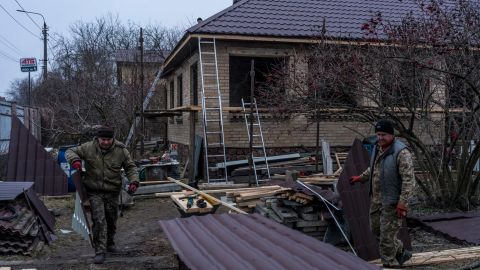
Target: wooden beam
column 218, row 191
column 441, row 256
column 191, row 168
column 206, row 196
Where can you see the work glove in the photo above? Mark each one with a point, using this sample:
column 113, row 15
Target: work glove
column 132, row 187
column 77, row 165
column 401, row 210
column 355, row 179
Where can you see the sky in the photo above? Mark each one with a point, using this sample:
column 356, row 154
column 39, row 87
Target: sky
column 20, row 37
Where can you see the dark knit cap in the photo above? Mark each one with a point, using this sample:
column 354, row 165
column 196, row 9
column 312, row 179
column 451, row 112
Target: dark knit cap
column 384, row 125
column 105, row 132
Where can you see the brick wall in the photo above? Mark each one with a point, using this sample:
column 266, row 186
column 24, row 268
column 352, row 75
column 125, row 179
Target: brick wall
column 338, row 130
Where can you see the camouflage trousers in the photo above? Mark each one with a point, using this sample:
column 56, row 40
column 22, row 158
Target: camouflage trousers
column 104, row 218
column 385, row 224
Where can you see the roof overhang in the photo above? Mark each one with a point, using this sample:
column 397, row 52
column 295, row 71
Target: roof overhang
column 188, row 44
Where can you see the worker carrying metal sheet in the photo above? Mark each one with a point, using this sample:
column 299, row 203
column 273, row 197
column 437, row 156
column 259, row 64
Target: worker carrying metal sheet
column 392, row 176
column 103, row 158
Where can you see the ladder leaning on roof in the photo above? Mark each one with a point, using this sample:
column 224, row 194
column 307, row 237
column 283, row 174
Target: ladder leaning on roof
column 213, row 135
column 257, row 139
column 146, row 101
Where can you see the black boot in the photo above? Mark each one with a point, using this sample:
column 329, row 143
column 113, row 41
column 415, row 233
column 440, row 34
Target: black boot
column 112, row 248
column 99, row 258
column 405, row 256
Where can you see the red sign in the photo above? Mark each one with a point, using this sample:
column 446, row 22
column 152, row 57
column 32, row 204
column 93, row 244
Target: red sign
column 28, row 64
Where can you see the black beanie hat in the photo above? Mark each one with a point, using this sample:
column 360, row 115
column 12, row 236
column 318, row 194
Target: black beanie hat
column 384, row 125
column 105, row 132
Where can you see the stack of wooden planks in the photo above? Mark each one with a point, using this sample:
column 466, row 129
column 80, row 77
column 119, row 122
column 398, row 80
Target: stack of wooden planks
column 248, row 199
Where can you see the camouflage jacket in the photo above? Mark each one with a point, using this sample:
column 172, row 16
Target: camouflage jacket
column 406, row 175
column 103, row 166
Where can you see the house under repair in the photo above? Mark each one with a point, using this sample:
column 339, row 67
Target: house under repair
column 208, row 74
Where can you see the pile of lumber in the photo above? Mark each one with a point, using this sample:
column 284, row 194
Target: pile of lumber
column 246, row 200
column 296, row 210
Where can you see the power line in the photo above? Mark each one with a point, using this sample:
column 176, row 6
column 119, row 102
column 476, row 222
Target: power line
column 8, row 57
column 26, row 29
column 29, row 15
column 10, row 45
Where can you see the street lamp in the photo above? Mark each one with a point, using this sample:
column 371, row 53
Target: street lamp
column 44, row 32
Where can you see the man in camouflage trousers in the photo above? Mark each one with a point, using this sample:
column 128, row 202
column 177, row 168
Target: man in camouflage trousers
column 392, row 176
column 103, row 158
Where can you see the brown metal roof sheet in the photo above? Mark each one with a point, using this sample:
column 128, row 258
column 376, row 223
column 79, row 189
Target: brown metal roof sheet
column 459, row 226
column 28, row 161
column 303, row 18
column 10, row 190
column 356, row 204
column 41, row 210
column 231, row 241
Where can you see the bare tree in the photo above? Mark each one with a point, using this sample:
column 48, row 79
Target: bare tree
column 423, row 73
column 82, row 89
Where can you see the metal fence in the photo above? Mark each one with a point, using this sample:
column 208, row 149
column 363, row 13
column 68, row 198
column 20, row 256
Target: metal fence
column 30, row 117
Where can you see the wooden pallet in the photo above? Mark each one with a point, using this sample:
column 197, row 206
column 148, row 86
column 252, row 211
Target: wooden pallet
column 182, row 200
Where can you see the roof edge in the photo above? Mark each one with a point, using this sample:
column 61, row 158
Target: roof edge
column 215, row 16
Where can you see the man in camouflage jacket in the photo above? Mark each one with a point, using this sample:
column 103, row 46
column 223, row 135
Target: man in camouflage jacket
column 392, row 176
column 103, row 158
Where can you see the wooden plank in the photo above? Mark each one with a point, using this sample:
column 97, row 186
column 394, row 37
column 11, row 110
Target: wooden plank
column 217, row 191
column 255, row 195
column 207, row 197
column 145, row 183
column 222, row 186
column 435, row 257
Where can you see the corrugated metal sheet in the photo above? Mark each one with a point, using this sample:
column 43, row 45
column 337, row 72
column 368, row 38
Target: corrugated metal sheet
column 29, row 116
column 230, row 241
column 356, row 204
column 28, row 161
column 41, row 210
column 19, row 229
column 458, row 226
column 81, row 220
column 10, row 190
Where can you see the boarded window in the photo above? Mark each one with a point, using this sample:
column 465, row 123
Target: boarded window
column 240, row 76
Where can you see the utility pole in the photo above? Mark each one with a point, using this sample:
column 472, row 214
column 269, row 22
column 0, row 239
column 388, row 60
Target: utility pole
column 142, row 78
column 45, row 58
column 44, row 32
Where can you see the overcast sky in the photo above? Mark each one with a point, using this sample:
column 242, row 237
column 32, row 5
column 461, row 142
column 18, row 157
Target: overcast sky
column 20, row 42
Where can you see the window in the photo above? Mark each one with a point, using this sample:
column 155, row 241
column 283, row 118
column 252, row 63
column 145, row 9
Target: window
column 179, row 91
column 403, row 85
column 331, row 80
column 194, row 84
column 240, row 76
column 172, row 95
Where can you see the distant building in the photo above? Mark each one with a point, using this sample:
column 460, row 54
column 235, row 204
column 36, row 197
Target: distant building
column 128, row 74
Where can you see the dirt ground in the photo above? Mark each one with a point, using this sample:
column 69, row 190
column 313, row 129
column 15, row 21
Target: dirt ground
column 142, row 244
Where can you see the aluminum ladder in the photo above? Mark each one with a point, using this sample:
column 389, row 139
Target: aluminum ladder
column 213, row 135
column 258, row 142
